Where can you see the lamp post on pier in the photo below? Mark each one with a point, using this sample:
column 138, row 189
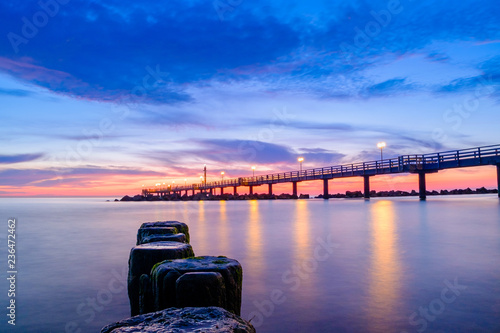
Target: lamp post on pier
column 253, row 170
column 381, row 145
column 222, row 176
column 300, row 159
column 205, row 174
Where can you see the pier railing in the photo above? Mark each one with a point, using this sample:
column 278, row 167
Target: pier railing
column 404, row 163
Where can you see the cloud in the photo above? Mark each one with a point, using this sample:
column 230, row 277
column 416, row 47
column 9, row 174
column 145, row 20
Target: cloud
column 53, row 177
column 485, row 84
column 11, row 159
column 401, row 139
column 151, row 52
column 225, row 151
column 154, row 49
column 15, row 92
column 388, row 86
column 321, row 157
column 170, row 118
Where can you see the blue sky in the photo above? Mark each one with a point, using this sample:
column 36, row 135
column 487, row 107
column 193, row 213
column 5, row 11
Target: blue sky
column 112, row 94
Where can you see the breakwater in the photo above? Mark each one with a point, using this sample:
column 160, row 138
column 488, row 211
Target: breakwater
column 167, row 283
column 284, row 196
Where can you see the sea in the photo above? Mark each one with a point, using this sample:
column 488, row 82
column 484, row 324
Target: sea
column 340, row 265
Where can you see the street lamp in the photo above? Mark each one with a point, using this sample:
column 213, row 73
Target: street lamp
column 300, row 159
column 381, row 145
column 222, row 175
column 185, row 181
column 253, row 170
column 205, row 174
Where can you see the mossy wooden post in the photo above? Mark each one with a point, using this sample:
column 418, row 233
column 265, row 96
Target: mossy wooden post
column 142, row 259
column 146, row 232
column 180, row 226
column 166, row 275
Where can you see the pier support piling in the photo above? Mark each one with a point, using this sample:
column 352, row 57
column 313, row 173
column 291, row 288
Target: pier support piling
column 234, row 190
column 325, row 188
column 221, row 190
column 294, row 187
column 498, row 179
column 367, row 187
column 251, row 189
column 270, row 189
column 421, row 185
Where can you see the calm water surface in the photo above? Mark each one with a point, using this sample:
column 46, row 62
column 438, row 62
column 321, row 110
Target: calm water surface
column 383, row 265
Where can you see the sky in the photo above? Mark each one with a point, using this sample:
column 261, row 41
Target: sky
column 103, row 97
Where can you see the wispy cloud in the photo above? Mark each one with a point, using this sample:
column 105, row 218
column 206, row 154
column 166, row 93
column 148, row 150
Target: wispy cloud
column 57, row 177
column 388, row 87
column 15, row 92
column 11, row 159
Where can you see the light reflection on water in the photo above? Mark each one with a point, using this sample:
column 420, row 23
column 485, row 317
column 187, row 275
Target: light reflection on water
column 254, row 244
column 392, row 257
column 385, row 271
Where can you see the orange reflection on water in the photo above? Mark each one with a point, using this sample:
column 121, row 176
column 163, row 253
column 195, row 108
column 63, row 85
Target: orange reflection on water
column 304, row 260
column 385, row 274
column 255, row 263
column 201, row 230
column 223, row 229
column 301, row 231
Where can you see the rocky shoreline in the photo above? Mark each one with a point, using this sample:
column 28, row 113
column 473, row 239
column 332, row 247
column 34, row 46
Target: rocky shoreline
column 347, row 194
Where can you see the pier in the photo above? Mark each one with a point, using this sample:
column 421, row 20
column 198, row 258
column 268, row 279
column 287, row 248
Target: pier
column 417, row 164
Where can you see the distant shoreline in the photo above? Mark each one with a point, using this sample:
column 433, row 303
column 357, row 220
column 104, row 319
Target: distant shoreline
column 284, row 196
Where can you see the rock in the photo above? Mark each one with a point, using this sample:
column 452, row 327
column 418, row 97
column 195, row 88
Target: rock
column 200, row 289
column 126, row 198
column 304, row 196
column 164, row 238
column 229, row 269
column 138, row 197
column 145, row 232
column 181, row 227
column 482, row 190
column 143, row 258
column 209, row 320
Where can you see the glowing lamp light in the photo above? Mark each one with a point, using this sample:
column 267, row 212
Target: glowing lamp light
column 381, row 146
column 300, row 159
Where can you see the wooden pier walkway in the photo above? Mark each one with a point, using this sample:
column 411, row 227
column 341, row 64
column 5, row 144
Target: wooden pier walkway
column 419, row 164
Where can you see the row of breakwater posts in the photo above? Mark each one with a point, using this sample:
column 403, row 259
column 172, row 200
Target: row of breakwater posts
column 171, row 290
column 422, row 165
